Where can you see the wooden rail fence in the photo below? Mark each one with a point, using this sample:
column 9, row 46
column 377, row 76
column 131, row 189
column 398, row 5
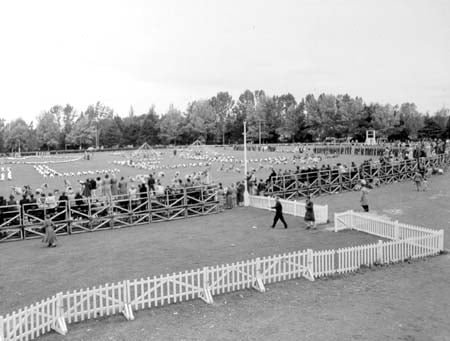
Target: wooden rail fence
column 332, row 181
column 88, row 215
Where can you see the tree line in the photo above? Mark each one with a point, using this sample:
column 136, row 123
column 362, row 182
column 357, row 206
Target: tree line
column 219, row 120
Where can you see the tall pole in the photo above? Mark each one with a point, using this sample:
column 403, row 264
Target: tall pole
column 96, row 136
column 246, row 195
column 260, row 135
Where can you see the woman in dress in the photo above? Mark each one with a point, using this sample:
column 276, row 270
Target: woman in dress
column 229, row 197
column 133, row 195
column 99, row 188
column 86, row 191
column 310, row 218
column 233, row 196
column 239, row 193
column 221, row 196
column 106, row 185
column 123, row 188
column 114, row 187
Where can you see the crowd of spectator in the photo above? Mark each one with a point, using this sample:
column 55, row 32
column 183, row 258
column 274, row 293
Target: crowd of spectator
column 99, row 191
column 390, row 157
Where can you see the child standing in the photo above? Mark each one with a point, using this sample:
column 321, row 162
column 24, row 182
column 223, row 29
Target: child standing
column 50, row 235
column 418, row 180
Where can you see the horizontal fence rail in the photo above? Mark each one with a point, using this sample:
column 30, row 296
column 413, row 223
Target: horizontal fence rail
column 73, row 216
column 291, row 207
column 403, row 242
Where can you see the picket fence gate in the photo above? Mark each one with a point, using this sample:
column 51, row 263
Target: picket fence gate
column 292, row 207
column 404, row 242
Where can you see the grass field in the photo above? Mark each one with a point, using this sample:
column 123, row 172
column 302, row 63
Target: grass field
column 25, row 174
column 400, row 302
column 31, row 271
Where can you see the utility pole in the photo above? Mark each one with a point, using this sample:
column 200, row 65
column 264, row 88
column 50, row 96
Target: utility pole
column 260, row 134
column 96, row 137
column 246, row 198
column 259, row 123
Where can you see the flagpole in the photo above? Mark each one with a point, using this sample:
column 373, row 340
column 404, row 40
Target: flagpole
column 246, row 195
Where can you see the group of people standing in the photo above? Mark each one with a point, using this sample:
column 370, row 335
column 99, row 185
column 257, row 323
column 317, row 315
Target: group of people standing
column 231, row 196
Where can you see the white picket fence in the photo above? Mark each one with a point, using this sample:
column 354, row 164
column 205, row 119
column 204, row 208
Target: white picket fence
column 385, row 228
column 408, row 242
column 295, row 208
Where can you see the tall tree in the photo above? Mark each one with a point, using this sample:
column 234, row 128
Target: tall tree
column 83, row 132
column 18, row 135
column 48, row 129
column 149, row 128
column 293, row 126
column 200, row 122
column 2, row 135
column 222, row 104
column 441, row 117
column 170, row 126
column 130, row 130
column 68, row 121
column 411, row 118
column 111, row 133
column 247, row 98
column 430, row 129
column 95, row 116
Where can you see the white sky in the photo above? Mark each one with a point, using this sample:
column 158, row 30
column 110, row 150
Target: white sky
column 147, row 52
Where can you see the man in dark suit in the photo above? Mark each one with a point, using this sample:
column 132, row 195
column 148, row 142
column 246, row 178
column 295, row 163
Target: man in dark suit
column 151, row 184
column 278, row 213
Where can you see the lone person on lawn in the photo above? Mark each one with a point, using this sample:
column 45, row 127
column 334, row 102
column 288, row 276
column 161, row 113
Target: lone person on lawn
column 309, row 214
column 364, row 196
column 278, row 213
column 50, row 235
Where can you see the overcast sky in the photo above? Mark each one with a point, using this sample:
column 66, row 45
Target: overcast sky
column 147, row 52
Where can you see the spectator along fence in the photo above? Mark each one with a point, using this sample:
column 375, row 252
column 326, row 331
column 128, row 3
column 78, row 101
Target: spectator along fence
column 88, row 215
column 353, row 149
column 319, row 182
column 291, row 207
column 55, row 313
column 323, row 148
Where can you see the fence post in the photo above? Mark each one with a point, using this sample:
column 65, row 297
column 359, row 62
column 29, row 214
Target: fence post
column 127, row 311
column 396, row 231
column 352, row 220
column 335, row 222
column 2, row 332
column 258, row 284
column 441, row 240
column 205, row 293
column 59, row 324
column 308, row 272
column 380, row 252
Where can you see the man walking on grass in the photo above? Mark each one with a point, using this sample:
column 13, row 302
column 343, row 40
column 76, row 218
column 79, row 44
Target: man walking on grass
column 278, row 213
